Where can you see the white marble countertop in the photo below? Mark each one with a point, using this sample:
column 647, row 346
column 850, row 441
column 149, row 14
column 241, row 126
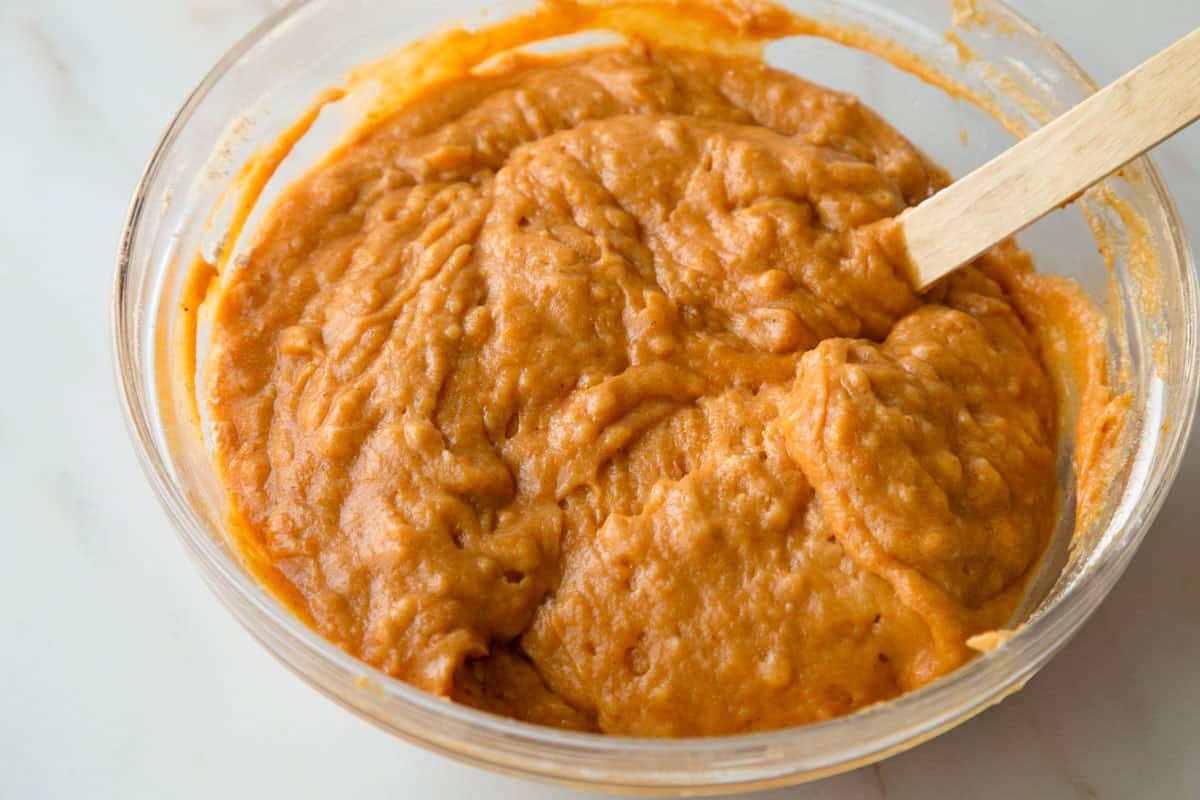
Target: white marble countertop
column 125, row 678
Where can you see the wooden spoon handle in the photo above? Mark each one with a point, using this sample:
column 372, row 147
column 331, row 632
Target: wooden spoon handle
column 1056, row 163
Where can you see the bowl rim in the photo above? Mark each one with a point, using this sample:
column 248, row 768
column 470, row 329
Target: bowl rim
column 928, row 710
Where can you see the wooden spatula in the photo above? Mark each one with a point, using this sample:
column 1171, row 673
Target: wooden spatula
column 1053, row 165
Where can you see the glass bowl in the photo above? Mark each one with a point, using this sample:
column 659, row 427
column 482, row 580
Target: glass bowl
column 1127, row 249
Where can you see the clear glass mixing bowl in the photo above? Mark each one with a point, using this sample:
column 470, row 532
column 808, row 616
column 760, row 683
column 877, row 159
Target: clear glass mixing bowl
column 1148, row 289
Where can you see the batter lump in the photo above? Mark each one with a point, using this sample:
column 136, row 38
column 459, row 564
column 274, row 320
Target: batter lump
column 581, row 389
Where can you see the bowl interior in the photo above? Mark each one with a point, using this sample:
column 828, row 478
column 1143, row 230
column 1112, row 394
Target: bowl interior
column 1129, row 256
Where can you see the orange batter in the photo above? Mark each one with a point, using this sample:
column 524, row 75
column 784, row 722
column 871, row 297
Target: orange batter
column 581, row 390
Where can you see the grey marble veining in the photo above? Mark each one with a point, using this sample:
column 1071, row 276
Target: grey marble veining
column 124, row 677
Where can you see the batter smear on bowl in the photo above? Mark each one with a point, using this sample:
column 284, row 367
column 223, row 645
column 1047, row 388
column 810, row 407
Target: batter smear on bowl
column 581, row 390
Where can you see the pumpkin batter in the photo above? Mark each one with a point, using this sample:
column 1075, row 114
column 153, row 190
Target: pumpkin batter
column 583, row 390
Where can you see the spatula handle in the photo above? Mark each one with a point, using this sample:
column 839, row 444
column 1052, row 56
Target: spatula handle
column 1048, row 168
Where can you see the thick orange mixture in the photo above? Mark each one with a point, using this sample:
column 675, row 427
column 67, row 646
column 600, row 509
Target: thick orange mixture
column 580, row 390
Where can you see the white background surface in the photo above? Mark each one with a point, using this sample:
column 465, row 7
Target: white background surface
column 123, row 677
